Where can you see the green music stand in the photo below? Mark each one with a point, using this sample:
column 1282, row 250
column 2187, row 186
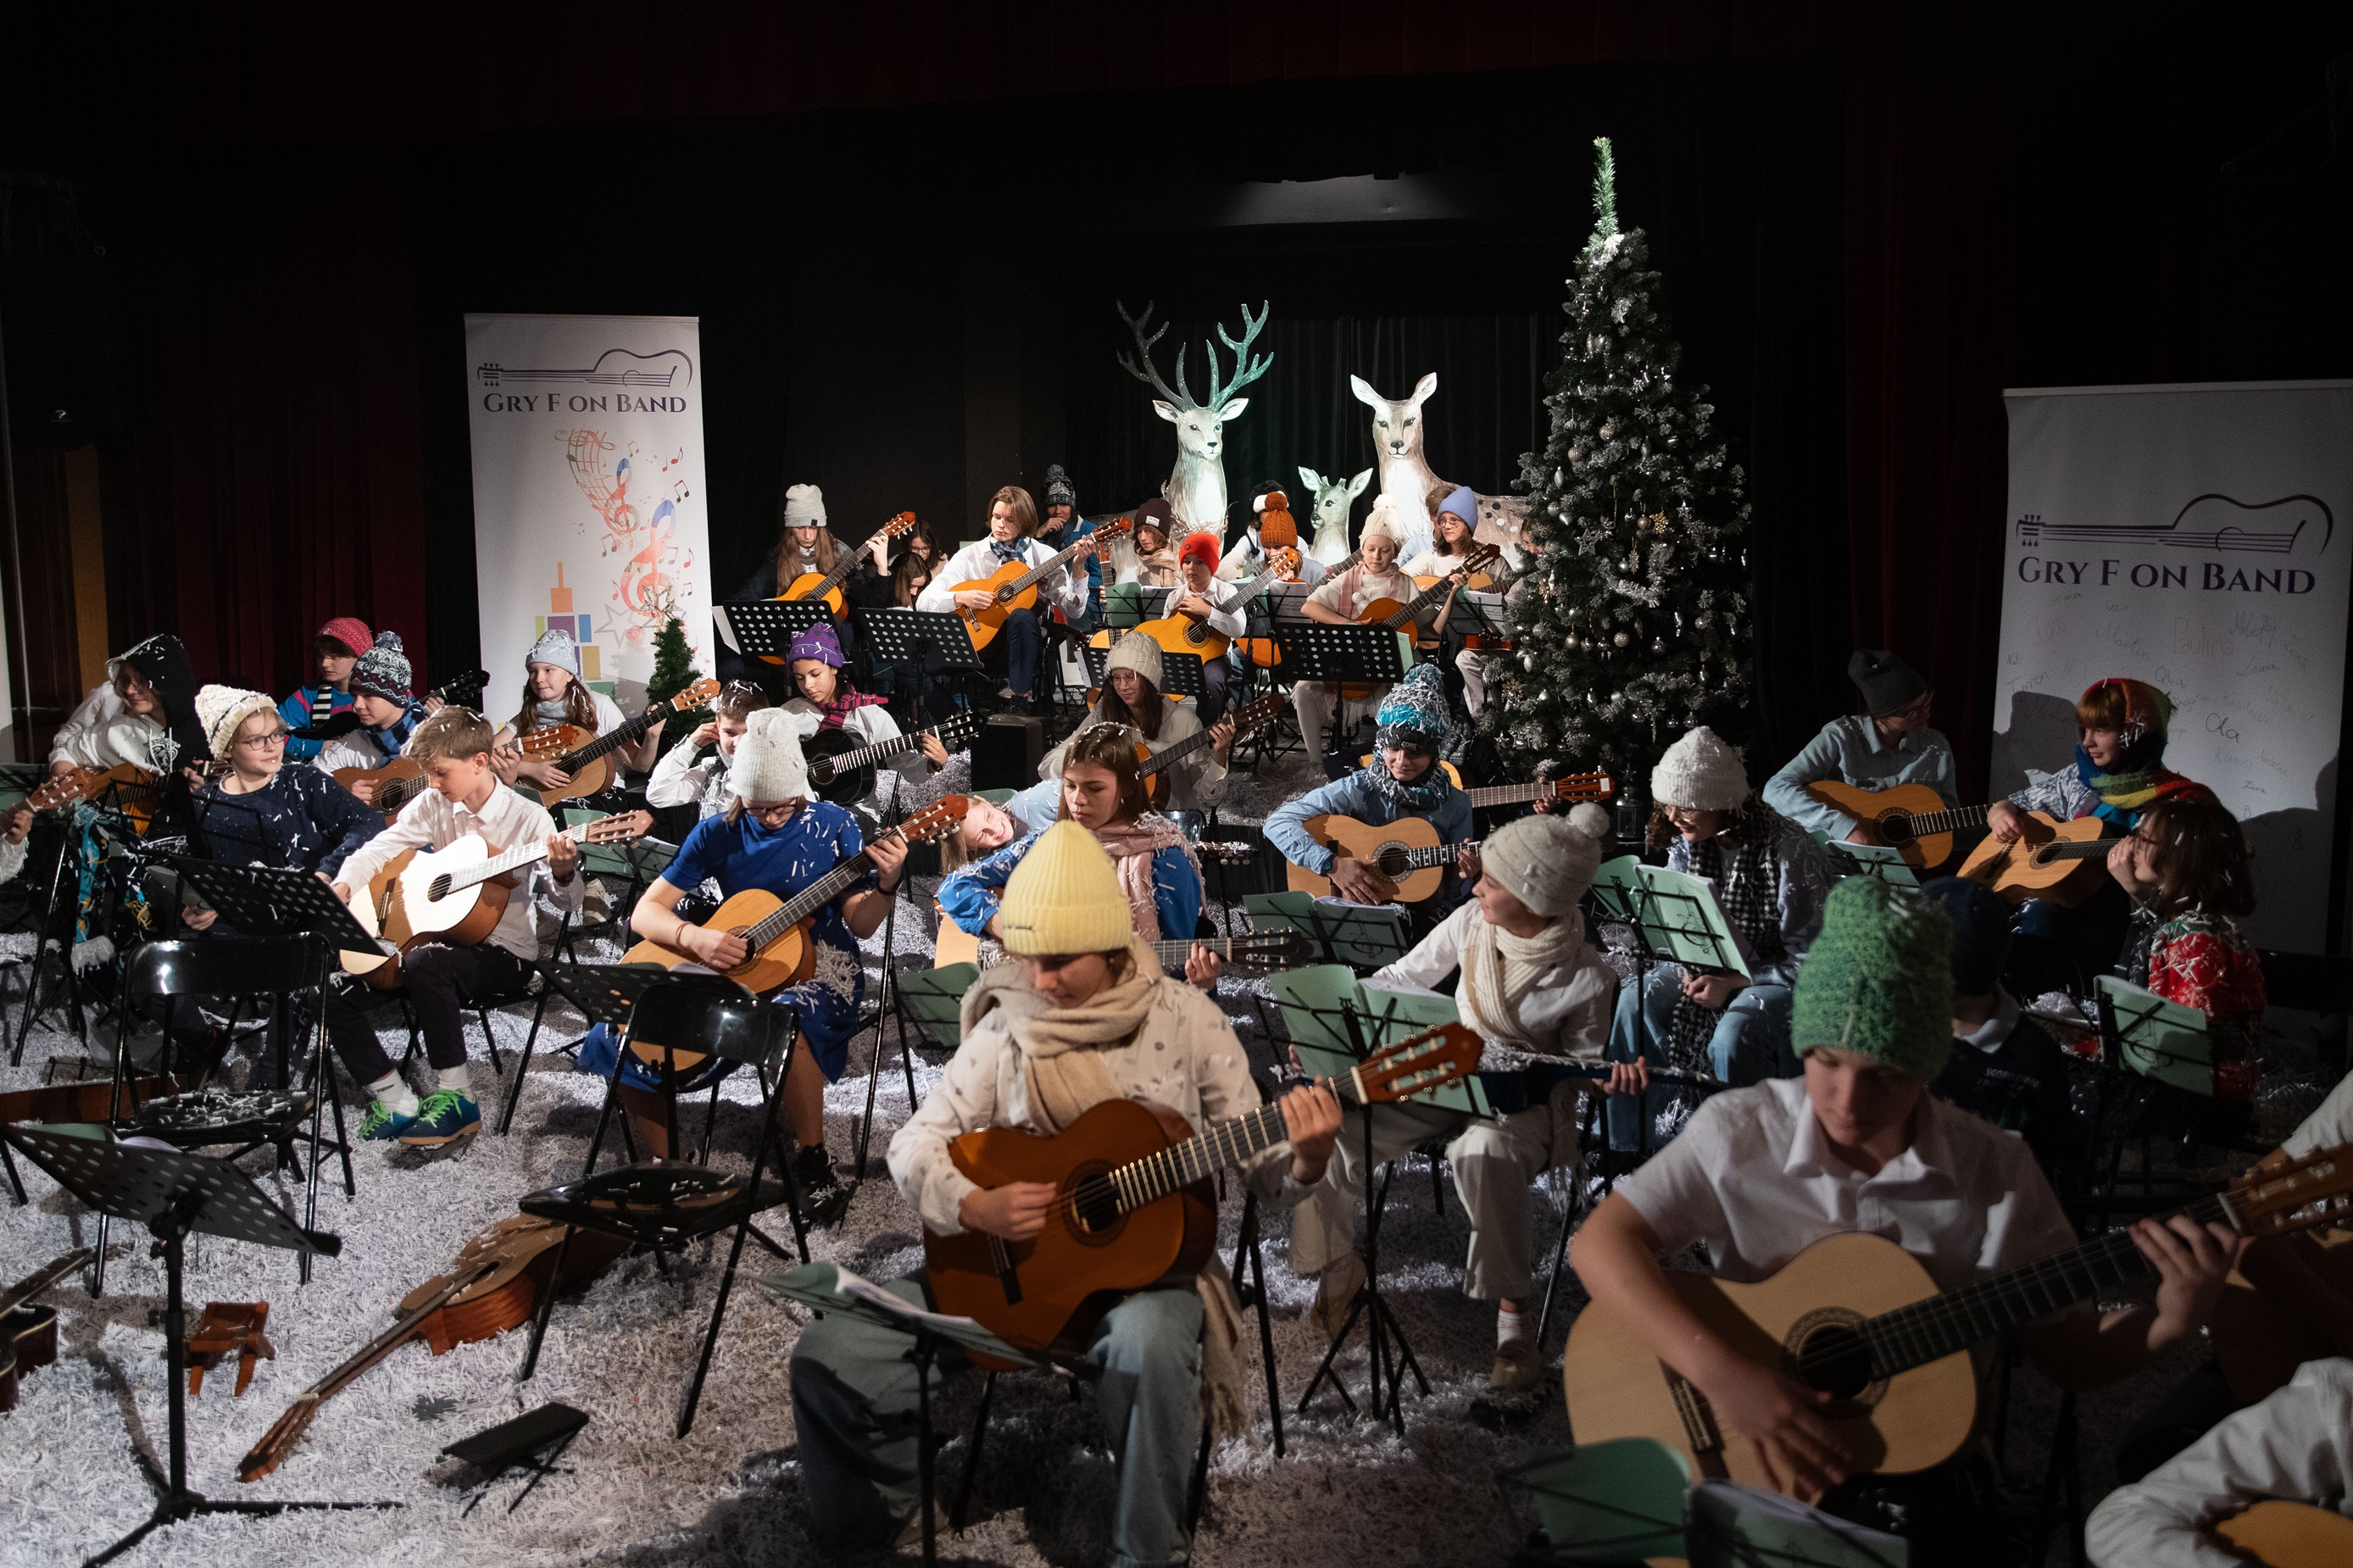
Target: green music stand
column 2157, row 1038
column 1365, row 936
column 1620, row 1501
column 1878, row 860
column 1736, row 1526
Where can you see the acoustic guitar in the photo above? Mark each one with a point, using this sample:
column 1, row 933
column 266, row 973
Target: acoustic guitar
column 1014, row 586
column 402, row 779
column 779, row 950
column 1186, row 633
column 1572, row 788
column 1400, row 617
column 1266, row 950
column 455, row 896
column 29, row 1333
column 134, row 788
column 842, row 771
column 2278, row 1534
column 2259, row 1340
column 1154, row 768
column 1911, row 818
column 1407, row 852
column 1857, row 1316
column 582, row 756
column 2066, row 869
column 828, row 585
column 1136, row 1207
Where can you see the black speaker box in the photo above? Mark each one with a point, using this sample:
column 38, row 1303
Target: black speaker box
column 1008, row 752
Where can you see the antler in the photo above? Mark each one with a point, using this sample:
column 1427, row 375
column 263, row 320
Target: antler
column 1149, row 375
column 1245, row 369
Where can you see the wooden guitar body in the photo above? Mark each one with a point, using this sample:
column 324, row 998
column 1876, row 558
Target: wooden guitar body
column 398, row 769
column 1362, row 841
column 1051, row 1289
column 28, row 1340
column 1891, row 810
column 788, row 961
column 402, row 906
column 1914, row 1421
column 549, row 743
column 2051, row 871
column 2278, row 1534
column 1183, row 634
column 2259, row 1341
column 804, row 587
column 952, row 945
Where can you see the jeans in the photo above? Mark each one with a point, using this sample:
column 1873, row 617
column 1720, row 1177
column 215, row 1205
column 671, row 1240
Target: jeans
column 1016, row 648
column 854, row 1401
column 1215, row 675
column 1750, row 1044
column 439, row 980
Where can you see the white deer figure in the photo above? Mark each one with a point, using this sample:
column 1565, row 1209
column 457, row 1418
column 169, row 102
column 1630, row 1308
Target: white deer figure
column 1333, row 498
column 1406, row 479
column 1196, row 487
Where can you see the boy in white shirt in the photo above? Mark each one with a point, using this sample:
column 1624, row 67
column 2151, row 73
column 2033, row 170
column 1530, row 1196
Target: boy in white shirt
column 1012, row 518
column 683, row 777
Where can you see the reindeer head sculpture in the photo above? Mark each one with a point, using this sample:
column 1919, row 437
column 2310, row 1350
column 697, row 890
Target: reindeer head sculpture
column 1397, row 422
column 1196, row 488
column 1333, row 498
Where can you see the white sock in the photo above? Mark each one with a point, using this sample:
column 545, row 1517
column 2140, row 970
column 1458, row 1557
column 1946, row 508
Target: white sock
column 395, row 1096
column 1511, row 1325
column 453, row 1079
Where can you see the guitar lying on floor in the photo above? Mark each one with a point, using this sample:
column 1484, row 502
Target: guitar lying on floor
column 582, row 756
column 1909, row 817
column 1137, row 1206
column 29, row 1333
column 1858, row 1316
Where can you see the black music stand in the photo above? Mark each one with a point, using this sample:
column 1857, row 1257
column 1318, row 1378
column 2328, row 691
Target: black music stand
column 601, row 994
column 1180, row 673
column 174, row 1195
column 275, row 902
column 535, row 1440
column 1474, row 613
column 904, row 638
column 886, row 1007
column 765, row 628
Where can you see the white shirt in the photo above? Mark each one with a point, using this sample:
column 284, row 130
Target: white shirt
column 102, row 733
column 2296, row 1446
column 1225, row 617
column 1571, row 1002
column 1990, row 1036
column 678, row 780
column 1064, row 589
column 1753, row 1178
column 2329, row 1126
column 507, row 821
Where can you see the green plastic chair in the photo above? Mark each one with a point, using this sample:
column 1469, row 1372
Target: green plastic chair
column 1620, row 1501
column 933, row 999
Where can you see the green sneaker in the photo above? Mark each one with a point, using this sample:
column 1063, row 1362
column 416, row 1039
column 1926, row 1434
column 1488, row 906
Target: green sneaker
column 383, row 1124
column 444, row 1118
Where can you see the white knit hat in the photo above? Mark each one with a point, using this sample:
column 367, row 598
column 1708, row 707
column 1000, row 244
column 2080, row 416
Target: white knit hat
column 1547, row 860
column 221, row 709
column 1139, row 653
column 1380, row 521
column 804, row 506
column 555, row 647
column 1702, row 774
column 769, row 767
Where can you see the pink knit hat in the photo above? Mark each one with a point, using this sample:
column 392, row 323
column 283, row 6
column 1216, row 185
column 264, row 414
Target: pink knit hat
column 351, row 632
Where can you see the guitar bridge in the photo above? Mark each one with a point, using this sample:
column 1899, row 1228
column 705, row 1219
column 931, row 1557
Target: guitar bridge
column 1700, row 1430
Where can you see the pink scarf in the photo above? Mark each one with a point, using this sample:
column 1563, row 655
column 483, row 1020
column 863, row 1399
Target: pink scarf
column 844, row 700
column 1132, row 846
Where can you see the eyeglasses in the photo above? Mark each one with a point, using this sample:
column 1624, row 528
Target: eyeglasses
column 263, row 742
column 771, row 816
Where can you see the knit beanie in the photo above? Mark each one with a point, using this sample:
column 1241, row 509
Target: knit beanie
column 1878, row 981
column 1157, row 513
column 1700, row 772
column 1414, row 711
column 1063, row 898
column 1139, row 653
column 817, row 642
column 1060, row 491
column 351, row 631
column 382, row 671
column 1546, row 859
column 804, row 506
column 1885, row 681
column 1382, row 523
column 1461, row 504
column 769, row 767
column 555, row 647
column 1277, row 528
column 221, row 709
column 1204, row 545
column 1980, row 919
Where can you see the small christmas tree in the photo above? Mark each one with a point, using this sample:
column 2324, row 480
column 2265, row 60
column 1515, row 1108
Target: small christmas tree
column 1637, row 610
column 673, row 673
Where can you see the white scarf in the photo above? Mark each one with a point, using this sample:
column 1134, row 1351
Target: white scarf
column 1500, row 969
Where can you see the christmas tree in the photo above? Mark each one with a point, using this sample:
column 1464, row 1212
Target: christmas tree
column 1637, row 611
column 673, row 673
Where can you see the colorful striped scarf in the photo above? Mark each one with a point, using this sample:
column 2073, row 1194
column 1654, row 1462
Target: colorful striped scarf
column 2141, row 781
column 839, row 708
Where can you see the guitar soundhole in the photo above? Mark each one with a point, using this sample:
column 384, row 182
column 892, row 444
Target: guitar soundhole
column 1896, row 828
column 1093, row 1217
column 1392, row 861
column 821, row 771
column 1826, row 1350
column 438, row 890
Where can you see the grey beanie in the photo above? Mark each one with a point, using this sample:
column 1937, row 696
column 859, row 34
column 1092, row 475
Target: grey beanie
column 1885, row 681
column 1547, row 860
column 1060, row 491
column 382, row 671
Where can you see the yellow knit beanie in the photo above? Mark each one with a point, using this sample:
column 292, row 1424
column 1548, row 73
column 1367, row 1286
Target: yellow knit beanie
column 1064, row 898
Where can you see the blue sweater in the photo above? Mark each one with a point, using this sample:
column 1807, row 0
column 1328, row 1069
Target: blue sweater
column 970, row 896
column 296, row 711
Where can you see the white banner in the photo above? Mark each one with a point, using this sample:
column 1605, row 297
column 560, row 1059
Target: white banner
column 2187, row 536
column 588, row 493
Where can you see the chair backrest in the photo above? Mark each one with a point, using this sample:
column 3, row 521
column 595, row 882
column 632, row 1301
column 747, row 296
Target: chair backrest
column 711, row 1015
column 934, row 999
column 226, row 966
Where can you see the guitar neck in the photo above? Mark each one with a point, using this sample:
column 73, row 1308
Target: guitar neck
column 807, row 901
column 1413, row 606
column 1437, row 854
column 2089, row 849
column 1198, row 1158
column 619, row 735
column 20, row 1294
column 1950, row 821
column 1942, row 1325
column 1177, row 953
column 1051, row 565
column 1509, row 794
column 514, row 860
column 882, row 751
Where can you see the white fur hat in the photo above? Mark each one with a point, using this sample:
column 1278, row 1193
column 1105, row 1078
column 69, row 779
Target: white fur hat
column 768, row 767
column 221, row 709
column 1701, row 772
column 1380, row 521
column 804, row 506
column 1547, row 860
column 555, row 647
column 1139, row 653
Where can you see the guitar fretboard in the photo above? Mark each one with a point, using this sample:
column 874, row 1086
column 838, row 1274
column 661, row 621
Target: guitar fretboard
column 1232, row 949
column 521, row 855
column 1413, row 606
column 1198, row 1158
column 1947, row 821
column 881, row 749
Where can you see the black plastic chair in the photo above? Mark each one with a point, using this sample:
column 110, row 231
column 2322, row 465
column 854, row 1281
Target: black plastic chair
column 662, row 1206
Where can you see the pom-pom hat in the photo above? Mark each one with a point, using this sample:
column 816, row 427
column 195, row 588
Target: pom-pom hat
column 220, row 709
column 1700, row 772
column 1060, row 491
column 1547, row 859
column 382, row 671
column 1064, row 898
column 1415, row 711
column 555, row 647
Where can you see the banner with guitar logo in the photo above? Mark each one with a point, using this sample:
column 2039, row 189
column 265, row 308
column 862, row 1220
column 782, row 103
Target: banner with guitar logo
column 589, row 504
column 2186, row 536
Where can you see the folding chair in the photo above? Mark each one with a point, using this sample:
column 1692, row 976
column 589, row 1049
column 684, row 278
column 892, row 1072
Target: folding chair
column 663, row 1205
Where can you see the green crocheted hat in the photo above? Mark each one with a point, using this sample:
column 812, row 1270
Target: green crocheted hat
column 1879, row 979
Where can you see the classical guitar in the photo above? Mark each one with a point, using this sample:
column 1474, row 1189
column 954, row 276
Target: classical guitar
column 1406, row 851
column 493, row 1286
column 1136, row 1206
column 1569, row 787
column 402, row 779
column 1400, row 617
column 1267, row 652
column 455, row 896
column 776, row 931
column 2260, row 1340
column 1857, row 1316
column 1187, row 633
column 1153, row 767
column 135, row 787
column 1266, row 950
column 2065, row 868
column 582, row 756
column 2278, row 1534
column 29, row 1334
column 842, row 770
column 1014, row 586
column 1911, row 818
column 828, row 585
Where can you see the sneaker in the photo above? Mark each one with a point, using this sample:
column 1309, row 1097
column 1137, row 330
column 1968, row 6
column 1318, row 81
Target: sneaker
column 1006, row 694
column 1336, row 1292
column 444, row 1118
column 382, row 1123
column 824, row 1200
column 1515, row 1370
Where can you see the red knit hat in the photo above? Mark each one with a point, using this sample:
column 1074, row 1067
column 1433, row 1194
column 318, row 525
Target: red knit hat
column 1204, row 545
column 351, row 632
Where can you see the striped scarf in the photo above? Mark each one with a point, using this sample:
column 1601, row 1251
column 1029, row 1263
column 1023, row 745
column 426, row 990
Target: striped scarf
column 2124, row 795
column 839, row 707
